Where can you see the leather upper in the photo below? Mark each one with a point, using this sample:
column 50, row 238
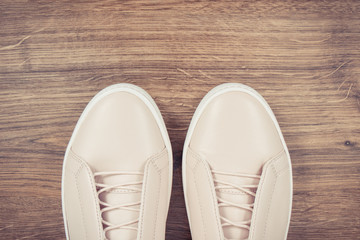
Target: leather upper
column 272, row 203
column 83, row 210
column 154, row 210
column 202, row 204
column 236, row 134
column 117, row 133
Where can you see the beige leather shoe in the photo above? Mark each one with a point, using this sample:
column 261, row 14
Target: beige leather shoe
column 117, row 170
column 236, row 168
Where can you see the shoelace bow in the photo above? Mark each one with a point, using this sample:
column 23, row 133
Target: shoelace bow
column 224, row 203
column 105, row 207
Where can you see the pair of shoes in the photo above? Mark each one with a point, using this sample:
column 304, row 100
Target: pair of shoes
column 117, row 172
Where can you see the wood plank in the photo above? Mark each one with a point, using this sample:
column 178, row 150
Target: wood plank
column 302, row 56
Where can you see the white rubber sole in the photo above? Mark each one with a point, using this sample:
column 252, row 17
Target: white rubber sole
column 221, row 89
column 150, row 103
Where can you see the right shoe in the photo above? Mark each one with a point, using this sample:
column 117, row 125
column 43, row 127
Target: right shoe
column 117, row 170
column 237, row 174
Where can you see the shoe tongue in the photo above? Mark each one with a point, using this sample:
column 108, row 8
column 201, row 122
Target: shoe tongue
column 236, row 196
column 117, row 197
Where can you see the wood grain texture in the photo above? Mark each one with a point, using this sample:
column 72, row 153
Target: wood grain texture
column 302, row 56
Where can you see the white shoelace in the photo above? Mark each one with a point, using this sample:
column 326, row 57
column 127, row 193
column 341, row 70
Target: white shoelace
column 224, row 203
column 105, row 207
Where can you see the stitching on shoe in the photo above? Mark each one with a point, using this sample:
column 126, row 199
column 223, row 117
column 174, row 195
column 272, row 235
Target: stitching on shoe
column 198, row 157
column 233, row 192
column 199, row 204
column 122, row 191
column 81, row 203
column 276, row 160
column 213, row 193
column 143, row 199
column 157, row 157
column 268, row 209
column 72, row 155
column 100, row 231
column 255, row 214
column 151, row 161
column 194, row 155
column 83, row 165
column 271, row 162
column 157, row 205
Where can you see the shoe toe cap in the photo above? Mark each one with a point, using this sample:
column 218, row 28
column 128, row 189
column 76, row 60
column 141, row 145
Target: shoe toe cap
column 235, row 132
column 119, row 132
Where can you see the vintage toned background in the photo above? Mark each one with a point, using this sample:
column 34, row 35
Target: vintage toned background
column 302, row 56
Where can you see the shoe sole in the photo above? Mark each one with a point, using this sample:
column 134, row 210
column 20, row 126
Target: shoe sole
column 218, row 90
column 150, row 103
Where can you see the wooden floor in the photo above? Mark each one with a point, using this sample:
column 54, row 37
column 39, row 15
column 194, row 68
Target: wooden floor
column 302, row 56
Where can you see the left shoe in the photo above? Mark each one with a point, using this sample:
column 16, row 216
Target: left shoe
column 117, row 171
